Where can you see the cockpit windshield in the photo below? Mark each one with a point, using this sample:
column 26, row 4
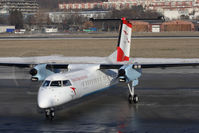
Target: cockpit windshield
column 66, row 83
column 46, row 83
column 57, row 83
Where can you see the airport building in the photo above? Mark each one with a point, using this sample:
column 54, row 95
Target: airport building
column 58, row 17
column 168, row 26
column 7, row 28
column 25, row 6
column 172, row 9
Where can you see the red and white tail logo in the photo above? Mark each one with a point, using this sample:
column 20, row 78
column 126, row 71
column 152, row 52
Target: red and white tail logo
column 124, row 41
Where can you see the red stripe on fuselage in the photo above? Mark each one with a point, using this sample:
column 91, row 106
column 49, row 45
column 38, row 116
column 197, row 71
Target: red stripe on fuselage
column 79, row 78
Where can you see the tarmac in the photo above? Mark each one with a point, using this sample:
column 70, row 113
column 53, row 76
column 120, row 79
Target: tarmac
column 169, row 103
column 90, row 37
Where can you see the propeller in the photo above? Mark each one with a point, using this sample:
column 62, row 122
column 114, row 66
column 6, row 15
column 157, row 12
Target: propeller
column 22, row 76
column 33, row 71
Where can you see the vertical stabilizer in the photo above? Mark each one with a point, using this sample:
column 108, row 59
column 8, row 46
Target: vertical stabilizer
column 124, row 41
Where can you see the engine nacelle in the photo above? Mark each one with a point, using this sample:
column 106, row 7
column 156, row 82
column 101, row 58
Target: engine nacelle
column 129, row 73
column 39, row 72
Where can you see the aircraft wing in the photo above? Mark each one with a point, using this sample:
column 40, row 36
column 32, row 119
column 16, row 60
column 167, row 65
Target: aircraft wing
column 161, row 65
column 25, row 61
column 20, row 65
column 169, row 65
column 103, row 66
column 39, row 72
column 54, row 59
column 89, row 60
column 118, row 66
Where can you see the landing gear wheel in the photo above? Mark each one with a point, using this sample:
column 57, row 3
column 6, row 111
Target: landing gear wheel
column 130, row 99
column 50, row 114
column 132, row 96
column 133, row 99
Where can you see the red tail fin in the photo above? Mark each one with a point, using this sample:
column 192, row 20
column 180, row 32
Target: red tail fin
column 124, row 41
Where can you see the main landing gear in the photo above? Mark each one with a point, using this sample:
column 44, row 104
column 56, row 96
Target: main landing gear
column 133, row 98
column 50, row 113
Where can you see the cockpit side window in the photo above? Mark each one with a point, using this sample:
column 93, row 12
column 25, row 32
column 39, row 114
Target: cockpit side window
column 56, row 83
column 46, row 83
column 66, row 83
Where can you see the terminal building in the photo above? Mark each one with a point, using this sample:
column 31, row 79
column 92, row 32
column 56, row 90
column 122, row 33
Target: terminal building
column 59, row 17
column 25, row 6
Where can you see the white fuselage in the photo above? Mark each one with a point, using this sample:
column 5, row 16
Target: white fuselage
column 82, row 82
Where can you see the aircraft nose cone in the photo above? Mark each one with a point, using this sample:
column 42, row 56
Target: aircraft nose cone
column 44, row 100
column 48, row 99
column 43, row 103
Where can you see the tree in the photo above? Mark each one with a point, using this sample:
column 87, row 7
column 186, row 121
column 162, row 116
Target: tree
column 74, row 21
column 16, row 18
column 3, row 20
column 42, row 18
column 197, row 17
column 87, row 24
column 136, row 12
column 30, row 20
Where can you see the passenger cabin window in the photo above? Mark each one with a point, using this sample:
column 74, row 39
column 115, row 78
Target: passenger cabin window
column 66, row 83
column 56, row 83
column 46, row 83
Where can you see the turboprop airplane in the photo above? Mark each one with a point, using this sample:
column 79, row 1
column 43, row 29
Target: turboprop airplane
column 80, row 80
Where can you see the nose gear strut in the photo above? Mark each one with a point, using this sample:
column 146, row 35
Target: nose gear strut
column 132, row 96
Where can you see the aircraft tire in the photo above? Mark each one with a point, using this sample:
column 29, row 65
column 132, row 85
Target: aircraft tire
column 50, row 114
column 135, row 99
column 130, row 99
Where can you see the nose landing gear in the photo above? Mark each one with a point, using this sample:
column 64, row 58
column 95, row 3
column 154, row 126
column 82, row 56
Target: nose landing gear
column 50, row 113
column 133, row 98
